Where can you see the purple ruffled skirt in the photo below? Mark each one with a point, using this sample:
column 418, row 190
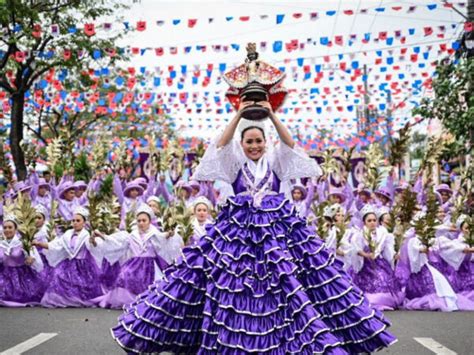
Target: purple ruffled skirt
column 133, row 278
column 21, row 286
column 420, row 293
column 260, row 281
column 379, row 283
column 73, row 283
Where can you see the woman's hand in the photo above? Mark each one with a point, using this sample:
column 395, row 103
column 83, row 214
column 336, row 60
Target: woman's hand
column 98, row 234
column 269, row 107
column 29, row 260
column 340, row 252
column 242, row 105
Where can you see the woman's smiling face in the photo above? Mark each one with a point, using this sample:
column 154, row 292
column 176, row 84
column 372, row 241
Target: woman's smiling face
column 253, row 144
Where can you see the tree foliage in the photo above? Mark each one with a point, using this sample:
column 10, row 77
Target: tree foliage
column 453, row 101
column 38, row 36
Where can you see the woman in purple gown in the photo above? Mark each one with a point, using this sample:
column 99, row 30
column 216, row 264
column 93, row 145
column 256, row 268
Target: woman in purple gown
column 75, row 279
column 202, row 208
column 21, row 280
column 373, row 262
column 426, row 288
column 143, row 255
column 458, row 256
column 260, row 280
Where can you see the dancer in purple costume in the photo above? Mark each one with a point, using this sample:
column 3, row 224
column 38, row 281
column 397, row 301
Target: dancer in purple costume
column 75, row 280
column 143, row 254
column 21, row 280
column 260, row 280
column 373, row 263
column 458, row 256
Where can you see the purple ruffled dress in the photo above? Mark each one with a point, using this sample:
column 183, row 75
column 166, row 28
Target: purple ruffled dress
column 20, row 284
column 75, row 280
column 260, row 281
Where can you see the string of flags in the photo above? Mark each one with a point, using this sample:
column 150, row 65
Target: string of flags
column 90, row 29
column 388, row 38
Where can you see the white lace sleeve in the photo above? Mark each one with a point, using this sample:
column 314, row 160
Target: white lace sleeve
column 55, row 252
column 357, row 261
column 113, row 248
column 292, row 163
column 416, row 257
column 452, row 251
column 37, row 265
column 171, row 248
column 388, row 251
column 220, row 163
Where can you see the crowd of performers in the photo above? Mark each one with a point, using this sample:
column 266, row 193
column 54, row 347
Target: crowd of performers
column 80, row 269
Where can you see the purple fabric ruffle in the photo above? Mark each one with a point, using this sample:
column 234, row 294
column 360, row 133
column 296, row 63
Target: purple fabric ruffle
column 74, row 283
column 21, row 286
column 260, row 281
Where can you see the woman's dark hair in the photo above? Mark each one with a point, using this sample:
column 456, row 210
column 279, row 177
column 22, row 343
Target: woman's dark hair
column 367, row 215
column 146, row 214
column 249, row 128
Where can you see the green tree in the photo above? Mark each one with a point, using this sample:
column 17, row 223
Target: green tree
column 453, row 102
column 38, row 36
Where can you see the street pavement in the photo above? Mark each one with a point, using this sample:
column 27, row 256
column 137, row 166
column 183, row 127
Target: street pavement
column 87, row 331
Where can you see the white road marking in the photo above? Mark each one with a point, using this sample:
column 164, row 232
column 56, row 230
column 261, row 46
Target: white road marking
column 434, row 346
column 29, row 344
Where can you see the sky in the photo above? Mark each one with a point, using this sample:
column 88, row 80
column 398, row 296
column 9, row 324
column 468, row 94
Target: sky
column 350, row 17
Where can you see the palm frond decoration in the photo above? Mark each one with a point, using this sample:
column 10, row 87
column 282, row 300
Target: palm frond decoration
column 110, row 212
column 130, row 221
column 330, row 164
column 25, row 214
column 374, row 159
column 104, row 213
column 469, row 238
column 432, row 154
column 322, row 226
column 371, row 242
column 31, row 153
column 82, row 171
column 169, row 219
column 124, row 159
column 163, row 160
column 106, row 191
column 54, row 157
column 341, row 228
column 458, row 208
column 347, row 156
column 425, row 226
column 399, row 146
column 199, row 151
column 401, row 216
column 51, row 227
column 99, row 153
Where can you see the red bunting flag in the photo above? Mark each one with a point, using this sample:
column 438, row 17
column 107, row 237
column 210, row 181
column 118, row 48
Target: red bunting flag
column 428, row 31
column 141, row 25
column 192, row 22
column 89, row 29
column 36, row 31
column 67, row 54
